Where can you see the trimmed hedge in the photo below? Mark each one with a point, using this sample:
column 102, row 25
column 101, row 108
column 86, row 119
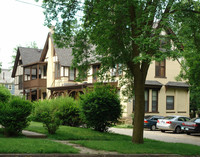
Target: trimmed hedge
column 5, row 94
column 52, row 113
column 100, row 107
column 14, row 115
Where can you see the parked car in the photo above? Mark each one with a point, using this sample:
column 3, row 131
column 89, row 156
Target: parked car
column 171, row 123
column 150, row 121
column 191, row 126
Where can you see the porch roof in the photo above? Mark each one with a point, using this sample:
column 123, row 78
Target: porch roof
column 171, row 84
column 153, row 84
column 70, row 86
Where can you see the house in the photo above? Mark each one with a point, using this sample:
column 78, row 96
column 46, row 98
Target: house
column 29, row 73
column 7, row 81
column 51, row 75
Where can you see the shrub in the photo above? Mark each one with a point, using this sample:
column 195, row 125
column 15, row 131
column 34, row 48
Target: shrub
column 14, row 115
column 47, row 112
column 4, row 94
column 69, row 112
column 100, row 107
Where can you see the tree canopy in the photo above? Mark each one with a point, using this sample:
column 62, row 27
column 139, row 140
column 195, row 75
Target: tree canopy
column 125, row 32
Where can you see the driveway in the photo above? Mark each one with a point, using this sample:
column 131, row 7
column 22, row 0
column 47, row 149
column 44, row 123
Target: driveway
column 166, row 137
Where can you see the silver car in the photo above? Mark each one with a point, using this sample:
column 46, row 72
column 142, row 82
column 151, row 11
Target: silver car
column 171, row 123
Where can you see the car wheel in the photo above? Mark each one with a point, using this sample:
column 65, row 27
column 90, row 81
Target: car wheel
column 178, row 130
column 153, row 128
column 162, row 130
column 188, row 133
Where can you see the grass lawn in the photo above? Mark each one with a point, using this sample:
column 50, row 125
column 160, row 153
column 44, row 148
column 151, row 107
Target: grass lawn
column 115, row 142
column 28, row 145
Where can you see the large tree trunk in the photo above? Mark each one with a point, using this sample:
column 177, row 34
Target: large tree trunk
column 139, row 85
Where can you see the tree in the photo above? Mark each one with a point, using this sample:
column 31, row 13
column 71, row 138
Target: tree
column 191, row 63
column 126, row 32
column 31, row 45
column 0, row 66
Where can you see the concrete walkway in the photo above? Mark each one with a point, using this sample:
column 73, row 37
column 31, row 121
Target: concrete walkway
column 31, row 134
column 166, row 137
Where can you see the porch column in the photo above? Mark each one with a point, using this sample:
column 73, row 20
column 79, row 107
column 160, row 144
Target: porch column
column 30, row 73
column 37, row 71
column 23, row 92
column 38, row 94
column 30, row 95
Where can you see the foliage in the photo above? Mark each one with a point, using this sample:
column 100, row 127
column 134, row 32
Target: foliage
column 65, row 110
column 47, row 112
column 190, row 64
column 126, row 32
column 14, row 115
column 100, row 108
column 4, row 94
column 68, row 111
column 0, row 66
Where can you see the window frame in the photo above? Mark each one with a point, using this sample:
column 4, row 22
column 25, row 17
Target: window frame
column 57, row 76
column 74, row 74
column 156, row 100
column 167, row 108
column 158, row 69
column 95, row 69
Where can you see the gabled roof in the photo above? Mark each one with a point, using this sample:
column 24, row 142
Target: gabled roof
column 64, row 54
column 28, row 55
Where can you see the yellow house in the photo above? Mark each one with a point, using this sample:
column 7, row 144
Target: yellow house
column 163, row 94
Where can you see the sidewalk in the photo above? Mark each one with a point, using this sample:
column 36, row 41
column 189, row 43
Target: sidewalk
column 31, row 134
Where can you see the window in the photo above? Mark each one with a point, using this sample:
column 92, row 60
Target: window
column 95, row 69
column 45, row 70
column 154, row 100
column 170, row 103
column 20, row 82
column 20, row 62
column 57, row 70
column 72, row 73
column 160, row 69
column 146, row 99
column 117, row 70
column 10, row 87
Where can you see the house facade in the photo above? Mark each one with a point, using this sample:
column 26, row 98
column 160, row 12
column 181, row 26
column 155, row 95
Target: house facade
column 51, row 75
column 28, row 74
column 7, row 81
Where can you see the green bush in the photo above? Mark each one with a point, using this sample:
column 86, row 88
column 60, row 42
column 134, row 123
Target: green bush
column 47, row 112
column 4, row 94
column 100, row 108
column 69, row 112
column 14, row 115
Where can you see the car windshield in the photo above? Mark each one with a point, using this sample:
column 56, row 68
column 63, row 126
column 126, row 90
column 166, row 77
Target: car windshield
column 192, row 120
column 169, row 117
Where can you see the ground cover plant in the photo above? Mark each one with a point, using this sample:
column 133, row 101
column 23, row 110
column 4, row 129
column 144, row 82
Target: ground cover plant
column 114, row 142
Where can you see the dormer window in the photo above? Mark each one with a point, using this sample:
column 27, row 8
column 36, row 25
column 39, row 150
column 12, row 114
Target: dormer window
column 160, row 69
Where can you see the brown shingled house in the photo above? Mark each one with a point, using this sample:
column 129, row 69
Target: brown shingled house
column 29, row 73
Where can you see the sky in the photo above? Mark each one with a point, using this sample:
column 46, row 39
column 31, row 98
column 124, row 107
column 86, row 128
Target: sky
column 20, row 24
